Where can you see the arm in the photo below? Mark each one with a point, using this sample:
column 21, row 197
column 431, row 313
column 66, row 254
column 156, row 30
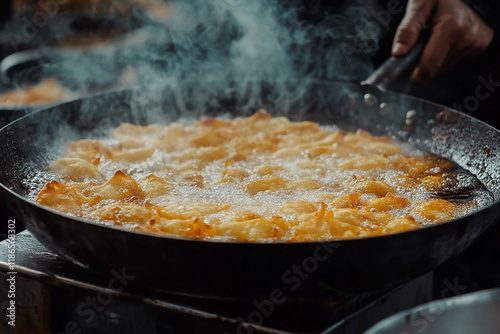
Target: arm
column 458, row 32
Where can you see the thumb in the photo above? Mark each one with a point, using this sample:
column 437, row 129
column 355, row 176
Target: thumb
column 418, row 13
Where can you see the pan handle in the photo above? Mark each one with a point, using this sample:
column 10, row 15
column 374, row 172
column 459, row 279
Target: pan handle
column 395, row 66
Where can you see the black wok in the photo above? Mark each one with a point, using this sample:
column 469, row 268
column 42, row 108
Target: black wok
column 9, row 114
column 238, row 269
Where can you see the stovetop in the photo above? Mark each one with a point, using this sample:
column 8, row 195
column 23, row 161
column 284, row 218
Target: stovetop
column 56, row 296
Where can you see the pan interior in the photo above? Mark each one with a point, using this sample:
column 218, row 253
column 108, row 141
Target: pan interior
column 29, row 144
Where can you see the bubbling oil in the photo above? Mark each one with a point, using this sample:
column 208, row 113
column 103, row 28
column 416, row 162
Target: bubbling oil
column 312, row 165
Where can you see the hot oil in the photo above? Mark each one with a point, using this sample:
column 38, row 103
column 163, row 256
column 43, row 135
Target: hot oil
column 461, row 187
column 35, row 182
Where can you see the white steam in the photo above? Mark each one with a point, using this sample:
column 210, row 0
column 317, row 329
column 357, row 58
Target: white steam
column 233, row 46
column 227, row 48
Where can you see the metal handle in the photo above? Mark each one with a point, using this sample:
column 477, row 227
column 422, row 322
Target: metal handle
column 395, row 66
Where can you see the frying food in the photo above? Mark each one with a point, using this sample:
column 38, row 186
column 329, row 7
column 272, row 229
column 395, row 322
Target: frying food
column 256, row 179
column 158, row 9
column 46, row 92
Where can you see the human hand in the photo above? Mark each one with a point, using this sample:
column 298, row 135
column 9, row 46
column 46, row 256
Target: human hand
column 457, row 33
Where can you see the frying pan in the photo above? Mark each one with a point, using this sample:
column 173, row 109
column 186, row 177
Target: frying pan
column 239, row 269
column 475, row 312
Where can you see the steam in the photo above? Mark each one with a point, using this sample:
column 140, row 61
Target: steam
column 233, row 46
column 229, row 47
column 265, row 39
column 221, row 48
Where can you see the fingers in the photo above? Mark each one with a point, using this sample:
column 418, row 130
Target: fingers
column 458, row 52
column 454, row 36
column 469, row 47
column 435, row 53
column 457, row 33
column 418, row 12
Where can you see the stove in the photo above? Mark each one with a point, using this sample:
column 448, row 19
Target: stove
column 53, row 295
